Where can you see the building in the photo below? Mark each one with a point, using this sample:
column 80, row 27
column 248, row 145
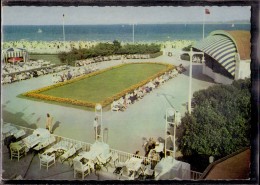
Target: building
column 227, row 55
column 234, row 166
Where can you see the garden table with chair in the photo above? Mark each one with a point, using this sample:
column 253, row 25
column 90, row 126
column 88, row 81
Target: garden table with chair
column 9, row 130
column 133, row 165
column 39, row 135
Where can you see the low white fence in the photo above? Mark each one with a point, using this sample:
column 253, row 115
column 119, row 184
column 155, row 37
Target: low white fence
column 195, row 175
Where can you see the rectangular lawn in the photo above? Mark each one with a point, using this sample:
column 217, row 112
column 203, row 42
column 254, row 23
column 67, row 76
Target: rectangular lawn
column 99, row 87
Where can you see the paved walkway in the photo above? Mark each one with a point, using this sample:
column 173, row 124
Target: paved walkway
column 125, row 130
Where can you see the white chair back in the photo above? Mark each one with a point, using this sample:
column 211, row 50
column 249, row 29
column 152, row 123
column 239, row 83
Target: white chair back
column 77, row 165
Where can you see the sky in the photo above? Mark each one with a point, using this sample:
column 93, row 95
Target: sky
column 22, row 15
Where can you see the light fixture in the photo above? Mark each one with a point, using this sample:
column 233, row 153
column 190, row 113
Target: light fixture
column 98, row 106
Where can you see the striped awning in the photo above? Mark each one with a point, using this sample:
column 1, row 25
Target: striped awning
column 14, row 53
column 222, row 49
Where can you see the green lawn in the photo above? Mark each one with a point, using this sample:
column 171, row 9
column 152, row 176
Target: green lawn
column 53, row 58
column 106, row 84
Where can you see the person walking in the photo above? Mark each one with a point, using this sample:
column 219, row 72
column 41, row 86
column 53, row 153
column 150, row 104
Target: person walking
column 49, row 123
column 96, row 127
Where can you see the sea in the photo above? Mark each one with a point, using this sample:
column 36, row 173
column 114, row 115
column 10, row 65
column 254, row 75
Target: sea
column 122, row 32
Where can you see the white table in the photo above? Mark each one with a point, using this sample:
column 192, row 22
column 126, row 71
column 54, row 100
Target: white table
column 8, row 128
column 44, row 142
column 100, row 147
column 133, row 164
column 168, row 168
column 96, row 149
column 38, row 136
column 31, row 141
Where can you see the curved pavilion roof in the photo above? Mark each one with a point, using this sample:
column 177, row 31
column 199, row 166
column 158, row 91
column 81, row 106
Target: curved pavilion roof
column 223, row 46
column 241, row 39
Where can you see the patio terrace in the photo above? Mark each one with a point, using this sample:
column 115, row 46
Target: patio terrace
column 28, row 167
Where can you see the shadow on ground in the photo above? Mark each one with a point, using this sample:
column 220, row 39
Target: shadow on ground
column 16, row 118
column 197, row 74
column 56, row 125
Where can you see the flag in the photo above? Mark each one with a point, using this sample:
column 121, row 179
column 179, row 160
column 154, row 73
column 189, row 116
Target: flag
column 207, row 11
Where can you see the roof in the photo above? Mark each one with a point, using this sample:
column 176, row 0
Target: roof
column 223, row 46
column 241, row 40
column 14, row 52
column 234, row 166
column 222, row 49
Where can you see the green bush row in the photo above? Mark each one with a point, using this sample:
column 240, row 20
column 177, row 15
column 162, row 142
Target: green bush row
column 154, row 55
column 108, row 49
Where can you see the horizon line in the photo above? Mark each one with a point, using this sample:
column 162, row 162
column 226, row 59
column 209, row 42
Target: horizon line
column 104, row 24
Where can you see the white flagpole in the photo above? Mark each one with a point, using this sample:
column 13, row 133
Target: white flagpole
column 203, row 22
column 63, row 32
column 133, row 33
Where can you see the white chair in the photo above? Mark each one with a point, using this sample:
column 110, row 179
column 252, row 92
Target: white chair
column 46, row 160
column 67, row 154
column 17, row 150
column 91, row 166
column 148, row 172
column 104, row 160
column 114, row 159
column 80, row 168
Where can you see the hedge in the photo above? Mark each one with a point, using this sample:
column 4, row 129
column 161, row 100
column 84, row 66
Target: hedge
column 107, row 101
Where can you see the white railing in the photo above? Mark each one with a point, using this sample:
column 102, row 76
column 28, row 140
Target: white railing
column 124, row 156
column 195, row 175
column 85, row 146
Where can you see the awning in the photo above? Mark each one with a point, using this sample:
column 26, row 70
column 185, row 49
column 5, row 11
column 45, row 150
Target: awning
column 14, row 53
column 222, row 49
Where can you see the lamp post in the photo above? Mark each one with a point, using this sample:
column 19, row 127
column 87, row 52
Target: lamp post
column 191, row 53
column 98, row 114
column 170, row 112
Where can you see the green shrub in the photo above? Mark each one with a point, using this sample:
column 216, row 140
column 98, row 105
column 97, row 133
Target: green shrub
column 220, row 122
column 154, row 55
column 185, row 57
column 108, row 49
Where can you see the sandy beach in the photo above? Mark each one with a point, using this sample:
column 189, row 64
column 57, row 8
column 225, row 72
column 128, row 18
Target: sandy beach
column 53, row 47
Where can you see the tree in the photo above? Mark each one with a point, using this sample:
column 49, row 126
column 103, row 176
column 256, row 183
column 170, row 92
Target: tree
column 117, row 46
column 220, row 121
